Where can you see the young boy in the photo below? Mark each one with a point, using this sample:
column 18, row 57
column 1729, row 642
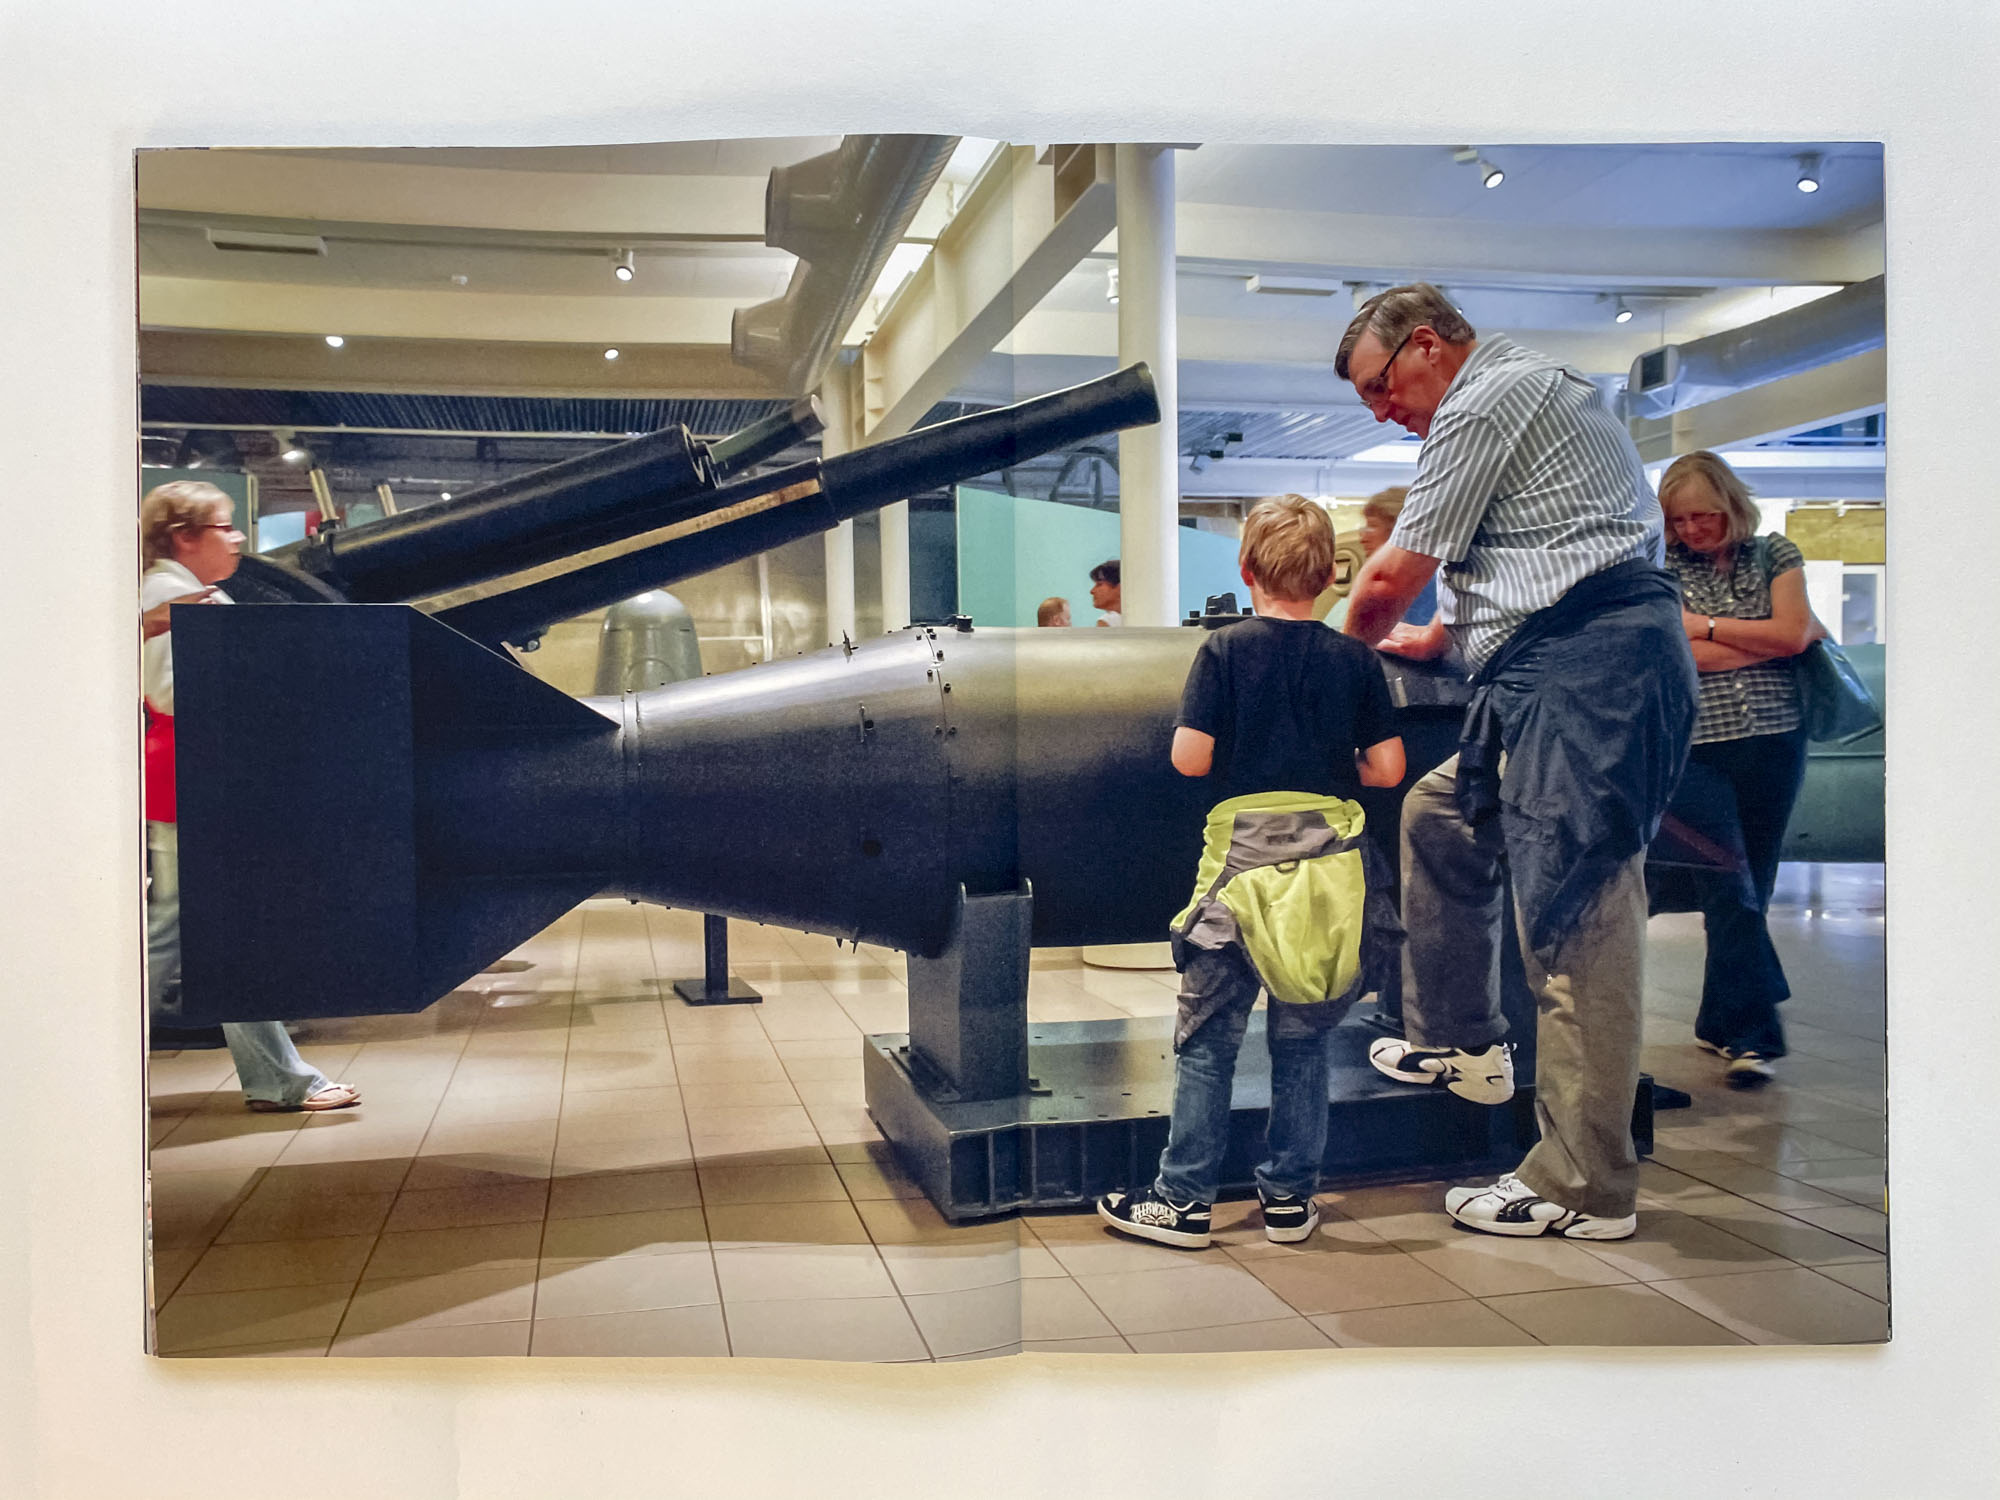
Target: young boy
column 1276, row 703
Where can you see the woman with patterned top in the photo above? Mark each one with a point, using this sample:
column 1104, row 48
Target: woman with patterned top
column 1746, row 615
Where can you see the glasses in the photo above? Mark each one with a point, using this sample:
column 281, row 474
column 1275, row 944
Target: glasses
column 1377, row 388
column 229, row 526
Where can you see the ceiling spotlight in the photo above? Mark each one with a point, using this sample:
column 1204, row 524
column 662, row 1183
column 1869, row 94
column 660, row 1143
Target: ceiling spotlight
column 622, row 269
column 1624, row 313
column 1489, row 175
column 334, row 341
column 610, row 353
column 1809, row 168
column 445, row 495
column 1111, row 285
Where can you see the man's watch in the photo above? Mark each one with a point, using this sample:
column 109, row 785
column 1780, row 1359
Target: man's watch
column 1711, row 627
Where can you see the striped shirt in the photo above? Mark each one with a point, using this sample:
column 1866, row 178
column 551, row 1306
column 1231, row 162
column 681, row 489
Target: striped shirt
column 1526, row 484
column 1762, row 698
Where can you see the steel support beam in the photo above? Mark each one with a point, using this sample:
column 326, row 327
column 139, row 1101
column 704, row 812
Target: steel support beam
column 1816, row 398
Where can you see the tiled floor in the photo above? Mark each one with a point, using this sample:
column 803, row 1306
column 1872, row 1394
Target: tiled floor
column 555, row 1160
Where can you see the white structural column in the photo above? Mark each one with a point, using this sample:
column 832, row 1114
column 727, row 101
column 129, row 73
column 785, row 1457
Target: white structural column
column 1148, row 457
column 837, row 406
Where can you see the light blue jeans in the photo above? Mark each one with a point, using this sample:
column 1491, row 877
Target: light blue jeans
column 1205, row 1075
column 268, row 1066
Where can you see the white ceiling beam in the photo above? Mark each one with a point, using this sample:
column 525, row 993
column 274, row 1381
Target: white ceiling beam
column 386, row 312
column 1378, row 247
column 1815, row 398
column 1019, row 233
column 286, row 185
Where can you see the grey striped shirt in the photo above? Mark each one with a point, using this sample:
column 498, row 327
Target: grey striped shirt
column 1526, row 484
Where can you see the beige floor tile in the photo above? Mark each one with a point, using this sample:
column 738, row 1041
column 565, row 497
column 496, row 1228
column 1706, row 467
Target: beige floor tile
column 590, row 1158
column 597, row 1103
column 1107, row 1344
column 1426, row 1325
column 664, row 1125
column 474, row 1171
column 1790, row 1306
column 168, row 1268
column 664, row 1332
column 457, row 1208
column 802, row 1272
column 660, row 1231
column 1768, row 1189
column 189, row 1207
column 587, row 1074
column 181, row 1152
column 856, row 1328
column 1279, row 1333
column 771, row 1148
column 279, row 1349
column 1630, row 1314
column 1865, row 1226
column 511, row 1138
column 912, row 1221
column 948, row 1267
column 274, row 1263
column 623, row 1012
column 749, row 1119
column 1869, row 1278
column 1672, row 1246
column 1342, row 1278
column 456, row 1340
column 1788, row 1236
column 497, row 1295
column 1091, row 1249
column 1863, row 1180
column 843, row 1068
column 745, row 1226
column 531, row 1074
column 759, row 1095
column 826, row 1048
column 1664, row 1187
column 622, row 1192
column 722, row 1073
column 436, row 1252
column 867, row 1179
column 216, row 1320
column 356, row 1145
column 1488, row 1265
column 818, row 1182
column 638, row 1283
column 979, row 1319
column 1203, row 1296
column 306, row 1217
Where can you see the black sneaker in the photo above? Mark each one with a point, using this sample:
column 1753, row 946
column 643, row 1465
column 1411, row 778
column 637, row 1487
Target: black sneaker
column 1148, row 1216
column 1288, row 1217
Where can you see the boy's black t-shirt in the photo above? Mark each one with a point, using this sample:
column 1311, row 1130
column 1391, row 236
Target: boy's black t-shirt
column 1289, row 702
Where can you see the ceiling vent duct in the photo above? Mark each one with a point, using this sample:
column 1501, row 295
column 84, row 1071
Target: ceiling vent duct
column 1667, row 379
column 266, row 244
column 841, row 213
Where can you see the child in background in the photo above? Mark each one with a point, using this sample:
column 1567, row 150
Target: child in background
column 1289, row 720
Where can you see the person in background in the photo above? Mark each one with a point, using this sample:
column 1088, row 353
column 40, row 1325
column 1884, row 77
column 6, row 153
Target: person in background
column 190, row 544
column 1378, row 519
column 1105, row 593
column 1531, row 499
column 1275, row 704
column 1053, row 610
column 1746, row 617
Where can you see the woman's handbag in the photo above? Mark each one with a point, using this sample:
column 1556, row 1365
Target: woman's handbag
column 1836, row 703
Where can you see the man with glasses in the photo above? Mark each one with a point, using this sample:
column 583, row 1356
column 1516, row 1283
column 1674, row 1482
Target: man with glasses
column 1531, row 508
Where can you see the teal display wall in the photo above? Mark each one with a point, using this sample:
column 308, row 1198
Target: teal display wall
column 1014, row 553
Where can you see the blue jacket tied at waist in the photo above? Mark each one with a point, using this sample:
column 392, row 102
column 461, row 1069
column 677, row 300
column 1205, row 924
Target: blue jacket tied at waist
column 1592, row 701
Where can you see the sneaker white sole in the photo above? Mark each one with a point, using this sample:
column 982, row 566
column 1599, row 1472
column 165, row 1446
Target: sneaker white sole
column 1293, row 1235
column 1572, row 1226
column 1180, row 1239
column 1489, row 1088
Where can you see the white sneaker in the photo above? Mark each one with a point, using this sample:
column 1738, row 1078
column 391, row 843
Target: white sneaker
column 1484, row 1077
column 1510, row 1206
column 1748, row 1069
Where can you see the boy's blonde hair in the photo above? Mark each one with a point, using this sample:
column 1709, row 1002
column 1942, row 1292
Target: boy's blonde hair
column 1288, row 547
column 182, row 505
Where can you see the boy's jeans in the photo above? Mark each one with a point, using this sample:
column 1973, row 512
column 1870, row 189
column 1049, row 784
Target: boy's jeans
column 1204, row 1073
column 268, row 1066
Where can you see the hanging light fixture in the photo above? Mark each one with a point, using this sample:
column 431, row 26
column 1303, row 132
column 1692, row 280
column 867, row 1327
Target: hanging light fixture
column 622, row 266
column 1623, row 314
column 1809, row 170
column 1489, row 175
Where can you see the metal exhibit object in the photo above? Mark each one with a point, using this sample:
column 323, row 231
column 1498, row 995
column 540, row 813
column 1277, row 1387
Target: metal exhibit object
column 647, row 641
column 594, row 498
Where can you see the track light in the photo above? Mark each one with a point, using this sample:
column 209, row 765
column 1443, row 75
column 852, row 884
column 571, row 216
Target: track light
column 1489, row 175
column 623, row 269
column 610, row 353
column 1111, row 285
column 1809, row 169
column 334, row 341
column 1623, row 314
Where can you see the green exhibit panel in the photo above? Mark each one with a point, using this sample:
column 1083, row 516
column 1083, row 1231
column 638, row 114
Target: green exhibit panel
column 1013, row 553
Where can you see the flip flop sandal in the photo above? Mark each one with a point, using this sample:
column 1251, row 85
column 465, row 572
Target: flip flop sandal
column 333, row 1096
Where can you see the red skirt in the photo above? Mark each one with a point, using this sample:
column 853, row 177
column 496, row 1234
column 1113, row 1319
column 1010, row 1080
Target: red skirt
column 159, row 767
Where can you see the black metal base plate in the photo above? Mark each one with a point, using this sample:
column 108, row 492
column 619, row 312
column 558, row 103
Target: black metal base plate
column 697, row 992
column 1096, row 1119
